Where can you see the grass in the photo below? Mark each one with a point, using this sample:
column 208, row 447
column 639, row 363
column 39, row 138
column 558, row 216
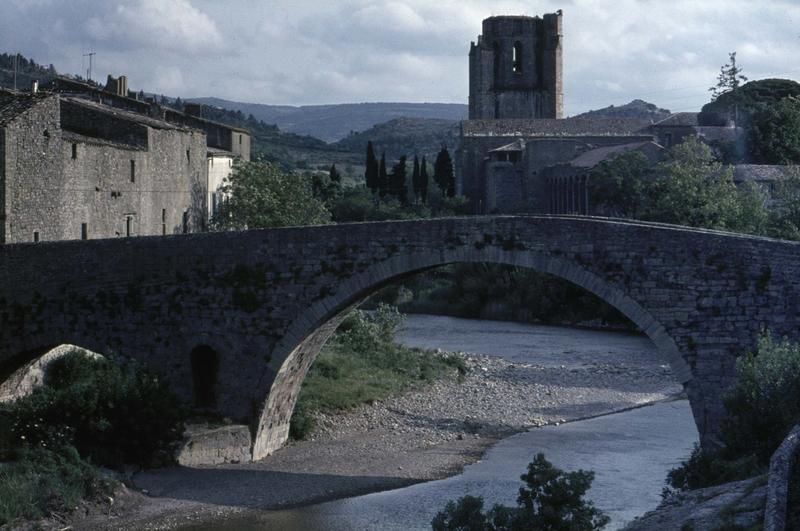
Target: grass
column 362, row 364
column 44, row 483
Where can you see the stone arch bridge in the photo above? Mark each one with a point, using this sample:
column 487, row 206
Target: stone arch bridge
column 253, row 308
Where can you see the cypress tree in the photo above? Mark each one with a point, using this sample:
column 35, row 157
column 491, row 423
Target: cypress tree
column 383, row 177
column 415, row 178
column 398, row 178
column 371, row 175
column 423, row 181
column 443, row 173
column 334, row 174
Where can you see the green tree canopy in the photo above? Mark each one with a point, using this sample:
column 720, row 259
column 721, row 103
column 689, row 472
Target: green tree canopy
column 747, row 100
column 775, row 133
column 551, row 500
column 399, row 188
column 694, row 189
column 423, row 181
column 618, row 187
column 260, row 195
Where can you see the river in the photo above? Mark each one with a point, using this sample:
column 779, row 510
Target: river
column 630, row 452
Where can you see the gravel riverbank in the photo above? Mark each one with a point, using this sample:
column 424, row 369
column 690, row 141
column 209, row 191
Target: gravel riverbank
column 427, row 434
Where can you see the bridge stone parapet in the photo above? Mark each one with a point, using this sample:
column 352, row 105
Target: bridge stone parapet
column 261, row 303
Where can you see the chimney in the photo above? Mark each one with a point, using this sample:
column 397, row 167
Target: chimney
column 35, row 86
column 122, row 87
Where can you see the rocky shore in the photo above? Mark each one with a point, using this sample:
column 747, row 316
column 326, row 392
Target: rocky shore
column 426, row 434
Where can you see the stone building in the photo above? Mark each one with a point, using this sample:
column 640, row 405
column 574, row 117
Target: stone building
column 85, row 162
column 516, row 152
column 76, row 169
column 515, row 69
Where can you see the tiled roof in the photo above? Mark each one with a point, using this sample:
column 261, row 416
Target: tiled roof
column 680, row 119
column 13, row 104
column 592, row 158
column 124, row 115
column 548, row 127
column 763, row 172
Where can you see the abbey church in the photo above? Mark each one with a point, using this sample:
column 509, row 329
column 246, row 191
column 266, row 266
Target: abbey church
column 517, row 152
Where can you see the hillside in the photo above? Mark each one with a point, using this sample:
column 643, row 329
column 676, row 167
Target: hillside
column 405, row 136
column 335, row 122
column 634, row 109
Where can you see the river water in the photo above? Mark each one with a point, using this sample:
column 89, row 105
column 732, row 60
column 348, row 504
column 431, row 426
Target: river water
column 629, row 452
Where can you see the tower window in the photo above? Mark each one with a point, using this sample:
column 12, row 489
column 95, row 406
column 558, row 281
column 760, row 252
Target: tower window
column 84, row 231
column 185, row 222
column 516, row 57
column 36, row 236
column 74, row 151
column 240, row 140
column 188, row 156
column 128, row 225
column 133, row 171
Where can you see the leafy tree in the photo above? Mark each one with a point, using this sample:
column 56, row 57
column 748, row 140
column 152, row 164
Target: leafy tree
column 775, row 133
column 334, row 175
column 747, row 100
column 443, row 173
column 729, row 79
column 423, row 181
column 398, row 181
column 618, row 187
column 694, row 189
column 552, row 500
column 371, row 173
column 259, row 195
column 383, row 177
column 784, row 214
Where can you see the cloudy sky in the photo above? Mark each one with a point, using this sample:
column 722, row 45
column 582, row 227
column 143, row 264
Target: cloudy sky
column 324, row 51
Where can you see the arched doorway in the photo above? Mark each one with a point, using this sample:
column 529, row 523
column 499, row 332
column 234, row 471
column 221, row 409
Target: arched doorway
column 205, row 370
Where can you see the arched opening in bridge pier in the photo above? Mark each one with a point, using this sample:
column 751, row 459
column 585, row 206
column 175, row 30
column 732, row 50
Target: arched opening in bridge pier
column 26, row 372
column 294, row 356
column 205, row 370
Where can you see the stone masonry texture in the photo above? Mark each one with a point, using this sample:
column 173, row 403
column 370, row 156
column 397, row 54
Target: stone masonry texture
column 266, row 300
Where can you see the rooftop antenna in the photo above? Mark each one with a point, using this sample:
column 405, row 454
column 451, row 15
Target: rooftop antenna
column 89, row 72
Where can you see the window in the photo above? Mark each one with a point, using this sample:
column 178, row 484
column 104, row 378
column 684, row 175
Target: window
column 188, row 156
column 185, row 222
column 36, row 236
column 128, row 225
column 240, row 140
column 516, row 57
column 163, row 221
column 133, row 171
column 668, row 140
column 74, row 151
column 84, row 231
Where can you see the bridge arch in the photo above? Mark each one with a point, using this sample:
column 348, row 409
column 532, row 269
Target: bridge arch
column 310, row 330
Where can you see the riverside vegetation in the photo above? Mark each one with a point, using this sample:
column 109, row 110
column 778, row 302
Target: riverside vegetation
column 362, row 363
column 89, row 413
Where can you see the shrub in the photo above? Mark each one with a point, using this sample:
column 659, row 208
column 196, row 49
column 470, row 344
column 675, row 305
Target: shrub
column 113, row 416
column 552, row 500
column 763, row 405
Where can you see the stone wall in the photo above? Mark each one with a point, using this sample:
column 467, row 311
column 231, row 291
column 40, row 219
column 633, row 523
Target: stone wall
column 265, row 301
column 106, row 176
column 33, row 174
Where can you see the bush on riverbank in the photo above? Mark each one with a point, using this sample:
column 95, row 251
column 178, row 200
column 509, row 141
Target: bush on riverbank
column 763, row 406
column 88, row 412
column 551, row 500
column 362, row 364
